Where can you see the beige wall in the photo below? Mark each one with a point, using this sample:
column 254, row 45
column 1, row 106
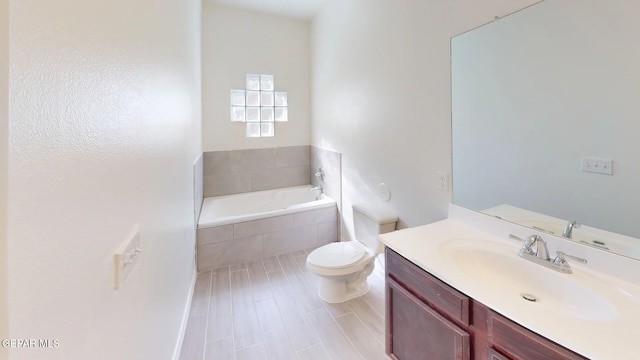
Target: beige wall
column 381, row 97
column 104, row 131
column 4, row 138
column 236, row 42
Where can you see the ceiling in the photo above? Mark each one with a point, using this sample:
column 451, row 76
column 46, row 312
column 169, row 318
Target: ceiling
column 300, row 9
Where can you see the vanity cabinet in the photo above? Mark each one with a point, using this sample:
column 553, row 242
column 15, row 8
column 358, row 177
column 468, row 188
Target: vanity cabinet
column 429, row 320
column 420, row 332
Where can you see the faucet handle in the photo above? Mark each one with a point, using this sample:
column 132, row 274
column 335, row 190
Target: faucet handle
column 528, row 245
column 541, row 249
column 561, row 258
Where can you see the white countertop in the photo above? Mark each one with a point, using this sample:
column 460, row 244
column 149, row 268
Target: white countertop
column 610, row 336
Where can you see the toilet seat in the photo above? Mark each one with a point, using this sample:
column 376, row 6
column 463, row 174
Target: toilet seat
column 337, row 255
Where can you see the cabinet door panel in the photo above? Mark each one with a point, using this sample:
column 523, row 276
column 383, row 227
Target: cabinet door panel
column 416, row 331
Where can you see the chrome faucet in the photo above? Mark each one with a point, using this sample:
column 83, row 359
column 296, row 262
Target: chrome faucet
column 568, row 229
column 534, row 248
column 560, row 262
column 320, row 191
column 320, row 174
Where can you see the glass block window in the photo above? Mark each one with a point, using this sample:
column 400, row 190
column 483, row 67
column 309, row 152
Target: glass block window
column 259, row 106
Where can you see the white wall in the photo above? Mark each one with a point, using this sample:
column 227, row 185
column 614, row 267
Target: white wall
column 104, row 129
column 536, row 92
column 381, row 97
column 236, row 42
column 4, row 138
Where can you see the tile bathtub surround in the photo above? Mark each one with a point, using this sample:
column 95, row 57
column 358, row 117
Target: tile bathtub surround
column 258, row 239
column 331, row 163
column 240, row 171
column 269, row 309
column 198, row 187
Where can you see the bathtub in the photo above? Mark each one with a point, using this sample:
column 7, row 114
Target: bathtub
column 250, row 226
column 229, row 209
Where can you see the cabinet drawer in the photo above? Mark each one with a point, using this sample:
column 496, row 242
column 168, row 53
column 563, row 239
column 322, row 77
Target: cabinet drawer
column 440, row 296
column 520, row 343
column 495, row 355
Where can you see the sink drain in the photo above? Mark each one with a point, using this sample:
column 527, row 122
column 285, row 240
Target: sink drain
column 529, row 297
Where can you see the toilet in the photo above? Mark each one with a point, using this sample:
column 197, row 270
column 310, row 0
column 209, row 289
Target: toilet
column 344, row 266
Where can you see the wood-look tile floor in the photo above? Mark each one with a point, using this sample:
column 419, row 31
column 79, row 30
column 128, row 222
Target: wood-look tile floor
column 269, row 309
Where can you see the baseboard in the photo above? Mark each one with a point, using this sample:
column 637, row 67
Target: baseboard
column 185, row 317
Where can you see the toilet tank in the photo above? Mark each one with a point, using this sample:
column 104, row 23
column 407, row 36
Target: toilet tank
column 369, row 222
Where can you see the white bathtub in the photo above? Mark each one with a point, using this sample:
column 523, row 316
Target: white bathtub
column 231, row 209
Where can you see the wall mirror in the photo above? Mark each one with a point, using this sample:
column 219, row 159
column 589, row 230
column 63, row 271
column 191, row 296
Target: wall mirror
column 543, row 100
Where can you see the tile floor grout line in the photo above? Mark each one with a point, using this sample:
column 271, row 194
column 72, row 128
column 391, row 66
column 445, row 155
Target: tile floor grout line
column 346, row 336
column 206, row 327
column 373, row 333
column 233, row 330
column 253, row 303
column 275, row 300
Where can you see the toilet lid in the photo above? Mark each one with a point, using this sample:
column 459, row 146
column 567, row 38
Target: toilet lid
column 337, row 255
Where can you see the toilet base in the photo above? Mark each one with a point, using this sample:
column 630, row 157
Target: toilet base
column 338, row 289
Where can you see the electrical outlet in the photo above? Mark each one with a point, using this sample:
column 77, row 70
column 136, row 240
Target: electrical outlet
column 443, row 181
column 127, row 257
column 596, row 165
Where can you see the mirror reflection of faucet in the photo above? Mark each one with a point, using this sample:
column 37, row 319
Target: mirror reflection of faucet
column 568, row 229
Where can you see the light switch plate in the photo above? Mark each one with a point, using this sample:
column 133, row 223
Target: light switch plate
column 596, row 165
column 127, row 257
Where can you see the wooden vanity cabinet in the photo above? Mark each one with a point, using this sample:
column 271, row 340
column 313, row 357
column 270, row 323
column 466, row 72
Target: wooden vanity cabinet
column 429, row 320
column 520, row 343
column 419, row 331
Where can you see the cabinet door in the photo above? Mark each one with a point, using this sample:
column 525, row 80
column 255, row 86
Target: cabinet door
column 416, row 331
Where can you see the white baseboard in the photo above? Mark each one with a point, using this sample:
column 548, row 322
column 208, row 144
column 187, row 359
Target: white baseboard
column 185, row 316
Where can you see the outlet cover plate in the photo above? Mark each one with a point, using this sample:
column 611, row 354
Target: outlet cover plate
column 127, row 257
column 443, row 181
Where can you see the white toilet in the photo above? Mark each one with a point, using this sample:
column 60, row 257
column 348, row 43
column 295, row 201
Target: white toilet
column 344, row 266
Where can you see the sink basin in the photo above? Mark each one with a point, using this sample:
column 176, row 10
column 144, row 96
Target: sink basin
column 498, row 266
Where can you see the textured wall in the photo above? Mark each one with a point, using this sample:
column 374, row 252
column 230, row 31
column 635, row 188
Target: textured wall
column 105, row 128
column 236, row 42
